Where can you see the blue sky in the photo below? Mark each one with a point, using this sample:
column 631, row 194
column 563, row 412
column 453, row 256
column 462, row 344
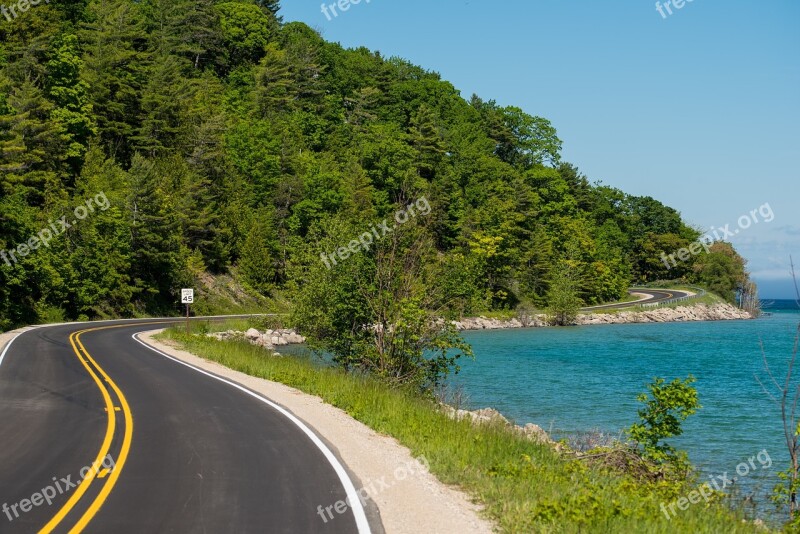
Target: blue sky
column 700, row 109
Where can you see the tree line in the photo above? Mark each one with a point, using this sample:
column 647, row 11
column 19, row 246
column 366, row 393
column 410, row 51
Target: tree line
column 230, row 142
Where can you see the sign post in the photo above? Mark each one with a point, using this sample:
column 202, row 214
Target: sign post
column 187, row 297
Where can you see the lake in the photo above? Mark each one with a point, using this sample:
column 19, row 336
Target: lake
column 571, row 380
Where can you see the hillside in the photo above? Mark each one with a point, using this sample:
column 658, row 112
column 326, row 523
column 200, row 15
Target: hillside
column 147, row 145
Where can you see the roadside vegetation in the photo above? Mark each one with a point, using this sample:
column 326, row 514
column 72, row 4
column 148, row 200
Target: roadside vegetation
column 525, row 486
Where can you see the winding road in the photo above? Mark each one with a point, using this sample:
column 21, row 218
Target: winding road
column 164, row 447
column 651, row 296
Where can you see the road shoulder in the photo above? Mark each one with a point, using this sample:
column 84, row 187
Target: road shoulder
column 409, row 498
column 8, row 337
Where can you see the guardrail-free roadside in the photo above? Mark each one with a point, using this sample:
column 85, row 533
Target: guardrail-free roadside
column 700, row 293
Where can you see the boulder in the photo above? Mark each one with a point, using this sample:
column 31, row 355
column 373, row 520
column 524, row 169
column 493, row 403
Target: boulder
column 536, row 433
column 294, row 338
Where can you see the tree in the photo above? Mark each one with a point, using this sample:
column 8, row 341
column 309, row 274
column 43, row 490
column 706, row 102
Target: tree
column 188, row 29
column 256, row 263
column 359, row 107
column 563, row 302
column 246, row 31
column 32, row 144
column 115, row 41
column 101, row 255
column 666, row 407
column 273, row 6
column 523, row 141
column 71, row 95
column 275, row 89
column 158, row 265
column 426, row 139
column 722, row 271
column 376, row 310
column 652, row 258
column 163, row 100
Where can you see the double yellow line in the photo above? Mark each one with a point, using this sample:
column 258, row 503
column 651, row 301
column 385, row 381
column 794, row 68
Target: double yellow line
column 99, row 376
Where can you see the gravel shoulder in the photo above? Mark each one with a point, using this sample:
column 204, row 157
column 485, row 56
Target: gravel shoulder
column 408, row 497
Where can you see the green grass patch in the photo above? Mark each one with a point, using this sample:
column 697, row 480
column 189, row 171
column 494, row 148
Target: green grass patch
column 525, row 486
column 708, row 299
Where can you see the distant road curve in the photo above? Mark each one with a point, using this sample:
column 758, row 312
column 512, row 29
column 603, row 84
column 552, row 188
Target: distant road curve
column 160, row 446
column 652, row 296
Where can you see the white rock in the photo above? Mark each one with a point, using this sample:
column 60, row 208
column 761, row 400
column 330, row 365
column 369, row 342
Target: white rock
column 278, row 340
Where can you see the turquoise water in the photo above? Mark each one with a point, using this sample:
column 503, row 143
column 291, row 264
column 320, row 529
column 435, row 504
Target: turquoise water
column 569, row 380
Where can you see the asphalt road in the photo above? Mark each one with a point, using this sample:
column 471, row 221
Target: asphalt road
column 654, row 297
column 175, row 450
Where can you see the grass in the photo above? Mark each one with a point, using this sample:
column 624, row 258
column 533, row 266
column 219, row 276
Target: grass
column 525, row 486
column 709, row 299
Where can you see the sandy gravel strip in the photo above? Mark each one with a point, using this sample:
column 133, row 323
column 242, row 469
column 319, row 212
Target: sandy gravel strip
column 409, row 499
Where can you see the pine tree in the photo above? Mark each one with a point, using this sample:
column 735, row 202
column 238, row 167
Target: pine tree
column 273, row 6
column 200, row 222
column 116, row 53
column 256, row 264
column 162, row 107
column 32, row 145
column 158, row 269
column 189, row 29
column 70, row 94
column 275, row 90
column 427, row 141
column 101, row 255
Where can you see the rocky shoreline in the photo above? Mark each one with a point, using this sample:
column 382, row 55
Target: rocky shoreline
column 700, row 312
column 268, row 339
column 486, row 416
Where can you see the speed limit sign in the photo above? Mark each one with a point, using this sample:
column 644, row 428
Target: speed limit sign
column 187, row 296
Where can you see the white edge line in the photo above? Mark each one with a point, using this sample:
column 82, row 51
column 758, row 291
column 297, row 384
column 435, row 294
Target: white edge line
column 13, row 339
column 352, row 495
column 34, row 327
column 8, row 346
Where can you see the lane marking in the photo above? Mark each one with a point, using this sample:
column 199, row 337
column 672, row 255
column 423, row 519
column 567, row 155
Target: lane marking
column 129, row 322
column 119, row 464
column 104, row 448
column 355, row 502
column 111, row 409
column 8, row 346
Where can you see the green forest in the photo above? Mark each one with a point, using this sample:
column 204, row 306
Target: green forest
column 151, row 145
